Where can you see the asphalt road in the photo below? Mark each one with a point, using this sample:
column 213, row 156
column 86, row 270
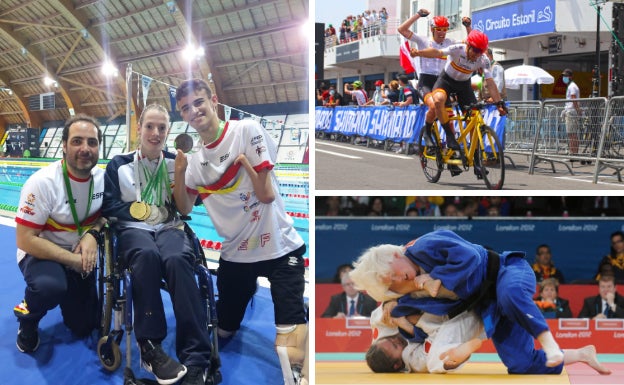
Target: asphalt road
column 343, row 166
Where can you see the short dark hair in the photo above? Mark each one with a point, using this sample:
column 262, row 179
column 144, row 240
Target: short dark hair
column 403, row 78
column 378, row 360
column 567, row 72
column 81, row 118
column 190, row 86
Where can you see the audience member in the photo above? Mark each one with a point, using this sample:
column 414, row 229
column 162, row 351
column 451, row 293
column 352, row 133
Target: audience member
column 607, row 304
column 498, row 73
column 451, row 210
column 544, row 267
column 332, row 207
column 335, row 98
column 376, row 207
column 341, row 271
column 356, row 92
column 350, row 303
column 407, row 93
column 426, row 206
column 572, row 113
column 548, row 300
column 391, row 92
column 615, row 258
column 501, row 204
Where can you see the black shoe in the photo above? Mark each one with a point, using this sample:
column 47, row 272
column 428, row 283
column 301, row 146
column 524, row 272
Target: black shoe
column 455, row 170
column 27, row 337
column 478, row 171
column 452, row 143
column 195, row 376
column 429, row 141
column 166, row 370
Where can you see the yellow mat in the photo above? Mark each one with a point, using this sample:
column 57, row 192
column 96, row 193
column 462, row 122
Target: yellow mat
column 334, row 373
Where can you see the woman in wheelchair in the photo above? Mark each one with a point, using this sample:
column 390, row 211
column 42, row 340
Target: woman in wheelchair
column 154, row 246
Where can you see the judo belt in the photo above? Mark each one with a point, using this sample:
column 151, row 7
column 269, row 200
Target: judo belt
column 487, row 289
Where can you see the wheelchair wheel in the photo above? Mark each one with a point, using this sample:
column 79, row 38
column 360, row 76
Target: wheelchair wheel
column 109, row 354
column 430, row 158
column 105, row 285
column 489, row 160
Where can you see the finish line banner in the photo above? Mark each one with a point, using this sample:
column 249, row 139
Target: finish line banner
column 397, row 124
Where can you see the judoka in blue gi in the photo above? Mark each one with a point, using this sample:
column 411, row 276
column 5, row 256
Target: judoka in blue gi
column 499, row 287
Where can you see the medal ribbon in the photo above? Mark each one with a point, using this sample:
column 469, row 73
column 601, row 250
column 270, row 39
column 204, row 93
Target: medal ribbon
column 153, row 191
column 70, row 197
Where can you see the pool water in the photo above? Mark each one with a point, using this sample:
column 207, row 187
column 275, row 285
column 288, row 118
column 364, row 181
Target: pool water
column 294, row 190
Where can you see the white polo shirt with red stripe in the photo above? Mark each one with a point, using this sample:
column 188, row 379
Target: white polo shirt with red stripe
column 252, row 231
column 459, row 68
column 44, row 205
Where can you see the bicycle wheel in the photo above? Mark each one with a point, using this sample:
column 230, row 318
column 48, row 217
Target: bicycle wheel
column 489, row 159
column 430, row 158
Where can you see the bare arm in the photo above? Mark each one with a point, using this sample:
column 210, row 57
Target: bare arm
column 184, row 201
column 427, row 52
column 495, row 95
column 261, row 180
column 28, row 240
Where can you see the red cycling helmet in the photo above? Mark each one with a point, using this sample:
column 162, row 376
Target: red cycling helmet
column 439, row 21
column 478, row 40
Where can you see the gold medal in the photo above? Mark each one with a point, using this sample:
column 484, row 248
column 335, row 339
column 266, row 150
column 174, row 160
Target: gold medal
column 138, row 210
column 148, row 211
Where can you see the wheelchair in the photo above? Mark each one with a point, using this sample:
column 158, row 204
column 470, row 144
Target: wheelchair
column 115, row 303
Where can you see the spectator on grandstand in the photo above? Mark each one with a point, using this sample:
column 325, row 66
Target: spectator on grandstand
column 549, row 302
column 470, row 207
column 411, row 212
column 332, row 207
column 377, row 207
column 426, row 206
column 607, row 304
column 350, row 303
column 544, row 267
column 356, row 92
column 340, row 271
column 572, row 112
column 391, row 92
column 530, row 206
column 383, row 18
column 451, row 210
column 615, row 258
column 345, row 32
column 501, row 205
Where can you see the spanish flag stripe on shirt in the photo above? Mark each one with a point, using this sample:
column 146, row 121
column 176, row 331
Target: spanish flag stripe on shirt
column 460, row 69
column 53, row 226
column 226, row 178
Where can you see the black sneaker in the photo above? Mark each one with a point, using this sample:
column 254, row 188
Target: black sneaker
column 196, row 376
column 27, row 338
column 429, row 141
column 454, row 169
column 166, row 370
column 452, row 143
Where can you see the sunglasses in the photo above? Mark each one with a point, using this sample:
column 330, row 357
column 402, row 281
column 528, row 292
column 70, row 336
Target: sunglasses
column 442, row 29
column 476, row 50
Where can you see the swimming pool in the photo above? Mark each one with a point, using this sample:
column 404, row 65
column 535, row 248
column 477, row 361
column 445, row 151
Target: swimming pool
column 294, row 190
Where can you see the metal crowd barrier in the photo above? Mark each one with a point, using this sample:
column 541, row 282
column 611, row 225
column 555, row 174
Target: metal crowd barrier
column 611, row 143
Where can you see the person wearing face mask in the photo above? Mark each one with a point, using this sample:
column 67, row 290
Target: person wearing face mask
column 335, row 98
column 378, row 99
column 572, row 112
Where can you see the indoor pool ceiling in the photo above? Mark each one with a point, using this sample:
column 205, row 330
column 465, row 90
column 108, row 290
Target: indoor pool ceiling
column 255, row 53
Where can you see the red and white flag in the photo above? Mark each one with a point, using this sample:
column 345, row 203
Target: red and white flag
column 407, row 62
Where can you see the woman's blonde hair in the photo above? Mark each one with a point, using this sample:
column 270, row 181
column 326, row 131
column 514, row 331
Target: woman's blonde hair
column 372, row 269
column 549, row 281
